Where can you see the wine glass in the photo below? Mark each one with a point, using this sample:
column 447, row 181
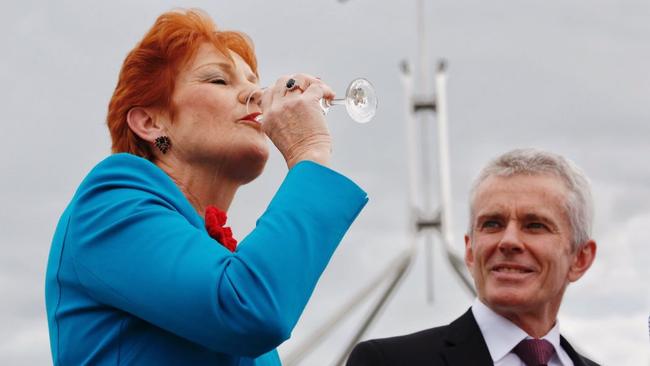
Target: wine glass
column 360, row 101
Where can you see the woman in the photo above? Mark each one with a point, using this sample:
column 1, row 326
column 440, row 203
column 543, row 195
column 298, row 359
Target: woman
column 134, row 275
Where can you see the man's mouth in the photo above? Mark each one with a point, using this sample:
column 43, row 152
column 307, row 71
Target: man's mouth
column 511, row 268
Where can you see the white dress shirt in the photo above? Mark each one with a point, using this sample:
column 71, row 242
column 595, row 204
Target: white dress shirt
column 501, row 336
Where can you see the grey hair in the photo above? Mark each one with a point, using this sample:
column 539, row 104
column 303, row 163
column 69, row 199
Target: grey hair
column 579, row 203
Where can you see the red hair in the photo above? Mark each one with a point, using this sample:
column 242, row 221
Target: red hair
column 148, row 75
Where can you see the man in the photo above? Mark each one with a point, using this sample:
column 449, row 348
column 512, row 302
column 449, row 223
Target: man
column 529, row 237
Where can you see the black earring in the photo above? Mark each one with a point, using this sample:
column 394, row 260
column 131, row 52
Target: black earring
column 163, row 143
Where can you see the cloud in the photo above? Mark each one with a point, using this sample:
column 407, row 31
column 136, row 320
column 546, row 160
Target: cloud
column 571, row 78
column 608, row 310
column 28, row 344
column 615, row 339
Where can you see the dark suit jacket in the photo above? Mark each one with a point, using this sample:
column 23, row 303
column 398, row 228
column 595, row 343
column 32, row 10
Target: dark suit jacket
column 459, row 344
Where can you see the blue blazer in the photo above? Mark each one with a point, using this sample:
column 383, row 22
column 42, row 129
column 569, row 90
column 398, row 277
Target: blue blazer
column 134, row 279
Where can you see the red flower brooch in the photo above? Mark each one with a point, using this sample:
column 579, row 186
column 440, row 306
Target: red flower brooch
column 215, row 219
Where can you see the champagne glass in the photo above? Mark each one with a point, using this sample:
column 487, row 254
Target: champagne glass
column 360, row 101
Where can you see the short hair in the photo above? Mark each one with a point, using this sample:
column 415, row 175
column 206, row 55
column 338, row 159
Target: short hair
column 148, row 74
column 530, row 161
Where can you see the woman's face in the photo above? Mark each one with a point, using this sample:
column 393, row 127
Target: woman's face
column 210, row 126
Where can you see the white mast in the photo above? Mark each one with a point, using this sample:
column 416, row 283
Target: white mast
column 417, row 119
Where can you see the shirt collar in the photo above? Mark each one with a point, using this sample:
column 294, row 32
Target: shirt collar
column 501, row 335
column 553, row 336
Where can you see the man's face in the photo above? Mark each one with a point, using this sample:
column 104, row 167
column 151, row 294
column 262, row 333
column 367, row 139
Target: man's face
column 519, row 250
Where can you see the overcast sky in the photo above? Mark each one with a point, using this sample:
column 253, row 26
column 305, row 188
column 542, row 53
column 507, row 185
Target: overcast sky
column 567, row 76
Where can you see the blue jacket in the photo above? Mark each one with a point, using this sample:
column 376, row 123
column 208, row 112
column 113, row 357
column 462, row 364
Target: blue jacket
column 134, row 279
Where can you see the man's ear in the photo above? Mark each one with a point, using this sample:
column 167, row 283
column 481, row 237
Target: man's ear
column 582, row 260
column 469, row 253
column 143, row 122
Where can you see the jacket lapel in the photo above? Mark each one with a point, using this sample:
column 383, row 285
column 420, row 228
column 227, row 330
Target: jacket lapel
column 465, row 344
column 575, row 357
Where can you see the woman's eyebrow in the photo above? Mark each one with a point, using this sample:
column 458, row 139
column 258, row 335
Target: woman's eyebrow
column 252, row 78
column 222, row 65
column 228, row 68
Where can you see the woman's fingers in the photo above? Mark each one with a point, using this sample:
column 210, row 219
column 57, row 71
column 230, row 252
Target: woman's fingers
column 318, row 90
column 294, row 119
column 296, row 86
column 299, row 83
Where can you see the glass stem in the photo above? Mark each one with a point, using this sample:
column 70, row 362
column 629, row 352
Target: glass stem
column 325, row 104
column 340, row 101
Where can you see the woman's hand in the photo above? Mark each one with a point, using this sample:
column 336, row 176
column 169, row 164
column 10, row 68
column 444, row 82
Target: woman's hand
column 294, row 120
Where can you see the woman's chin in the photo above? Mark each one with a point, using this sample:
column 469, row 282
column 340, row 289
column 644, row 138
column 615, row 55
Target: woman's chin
column 250, row 164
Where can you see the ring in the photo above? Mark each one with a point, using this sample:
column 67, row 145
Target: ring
column 291, row 84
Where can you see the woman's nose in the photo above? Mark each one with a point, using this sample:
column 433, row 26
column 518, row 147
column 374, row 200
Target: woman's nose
column 252, row 96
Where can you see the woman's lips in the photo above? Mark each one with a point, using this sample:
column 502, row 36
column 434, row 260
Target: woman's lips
column 251, row 117
column 252, row 120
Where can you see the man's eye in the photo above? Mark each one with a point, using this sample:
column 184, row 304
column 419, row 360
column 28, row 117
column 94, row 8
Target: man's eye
column 536, row 226
column 490, row 224
column 218, row 81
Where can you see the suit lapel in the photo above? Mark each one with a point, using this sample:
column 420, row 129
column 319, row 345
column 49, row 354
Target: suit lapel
column 465, row 344
column 575, row 357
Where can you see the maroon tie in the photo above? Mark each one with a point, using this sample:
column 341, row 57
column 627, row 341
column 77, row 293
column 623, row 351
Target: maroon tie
column 534, row 352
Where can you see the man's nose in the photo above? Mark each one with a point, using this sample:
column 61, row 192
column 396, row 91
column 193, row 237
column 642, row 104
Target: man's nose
column 511, row 241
